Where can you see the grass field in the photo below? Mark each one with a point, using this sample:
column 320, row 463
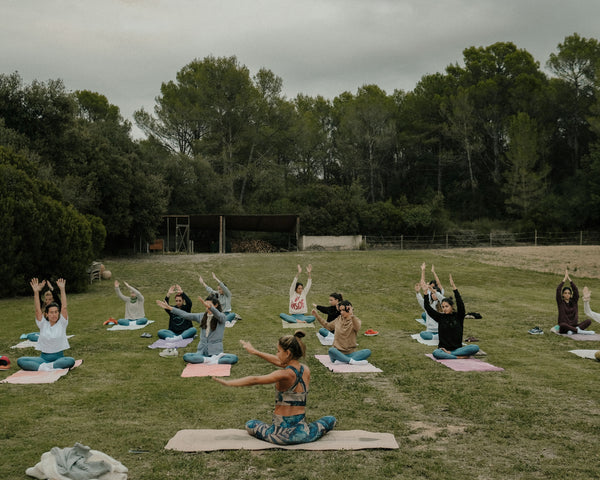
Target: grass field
column 539, row 419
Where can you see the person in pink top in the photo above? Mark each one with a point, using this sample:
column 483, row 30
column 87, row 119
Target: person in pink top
column 298, row 303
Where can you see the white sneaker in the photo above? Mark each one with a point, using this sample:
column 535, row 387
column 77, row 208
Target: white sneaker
column 585, row 332
column 169, row 352
column 358, row 362
column 46, row 367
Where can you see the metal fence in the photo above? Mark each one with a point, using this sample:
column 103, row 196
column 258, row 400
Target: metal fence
column 469, row 238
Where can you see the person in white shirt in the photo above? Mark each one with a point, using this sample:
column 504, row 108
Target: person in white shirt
column 53, row 332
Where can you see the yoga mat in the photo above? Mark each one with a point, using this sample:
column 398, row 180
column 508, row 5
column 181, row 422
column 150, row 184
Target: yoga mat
column 285, row 324
column 431, row 343
column 346, row 367
column 328, row 340
column 27, row 377
column 131, row 326
column 578, row 336
column 420, row 320
column 162, row 343
column 206, row 370
column 467, row 364
column 585, row 353
column 235, row 439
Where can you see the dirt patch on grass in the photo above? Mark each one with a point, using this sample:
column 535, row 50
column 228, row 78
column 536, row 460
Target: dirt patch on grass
column 582, row 261
column 423, row 430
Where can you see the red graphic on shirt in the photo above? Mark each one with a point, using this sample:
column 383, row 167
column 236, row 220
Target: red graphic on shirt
column 297, row 303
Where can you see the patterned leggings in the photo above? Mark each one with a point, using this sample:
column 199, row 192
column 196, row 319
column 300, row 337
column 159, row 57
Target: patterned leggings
column 290, row 430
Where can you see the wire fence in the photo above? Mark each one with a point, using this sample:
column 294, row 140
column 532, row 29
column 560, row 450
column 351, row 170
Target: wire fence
column 469, row 238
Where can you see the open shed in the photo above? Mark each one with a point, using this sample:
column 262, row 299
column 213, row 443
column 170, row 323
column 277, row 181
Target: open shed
column 182, row 233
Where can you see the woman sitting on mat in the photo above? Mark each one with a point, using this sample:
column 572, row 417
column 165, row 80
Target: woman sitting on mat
column 212, row 328
column 431, row 326
column 179, row 328
column 346, row 326
column 53, row 332
column 298, row 305
column 291, row 384
column 450, row 326
column 568, row 310
column 223, row 294
column 587, row 295
column 134, row 306
column 331, row 310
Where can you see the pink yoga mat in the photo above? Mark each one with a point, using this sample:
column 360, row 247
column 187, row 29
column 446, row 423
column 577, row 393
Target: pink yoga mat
column 27, row 377
column 205, row 370
column 467, row 364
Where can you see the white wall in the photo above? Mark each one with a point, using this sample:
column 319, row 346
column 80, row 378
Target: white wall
column 345, row 242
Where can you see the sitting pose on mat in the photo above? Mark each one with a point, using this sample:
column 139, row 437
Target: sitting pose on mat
column 587, row 295
column 331, row 310
column 568, row 310
column 212, row 328
column 134, row 306
column 346, row 326
column 224, row 296
column 53, row 332
column 450, row 326
column 179, row 328
column 291, row 384
column 298, row 305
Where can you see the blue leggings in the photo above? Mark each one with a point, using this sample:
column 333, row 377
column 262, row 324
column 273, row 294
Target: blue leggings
column 335, row 354
column 465, row 351
column 164, row 333
column 228, row 358
column 297, row 317
column 33, row 363
column 138, row 321
column 229, row 316
column 290, row 430
column 324, row 332
column 425, row 335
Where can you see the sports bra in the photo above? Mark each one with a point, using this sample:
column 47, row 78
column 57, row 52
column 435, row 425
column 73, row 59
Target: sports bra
column 289, row 397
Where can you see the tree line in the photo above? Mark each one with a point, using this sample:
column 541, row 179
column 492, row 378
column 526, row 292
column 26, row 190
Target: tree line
column 491, row 143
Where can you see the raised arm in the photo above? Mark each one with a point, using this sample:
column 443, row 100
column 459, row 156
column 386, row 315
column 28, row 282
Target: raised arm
column 36, row 286
column 61, row 283
column 328, row 325
column 437, row 279
column 119, row 293
column 309, row 281
column 269, row 357
column 273, row 377
column 423, row 272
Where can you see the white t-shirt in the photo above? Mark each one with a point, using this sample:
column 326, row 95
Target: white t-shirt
column 52, row 339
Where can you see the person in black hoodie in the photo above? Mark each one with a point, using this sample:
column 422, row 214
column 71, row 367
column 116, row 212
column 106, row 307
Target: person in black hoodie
column 450, row 326
column 179, row 328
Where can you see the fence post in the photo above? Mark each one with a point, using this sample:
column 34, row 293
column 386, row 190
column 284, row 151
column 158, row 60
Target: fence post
column 401, row 242
column 535, row 238
column 446, row 240
column 580, row 237
column 490, row 239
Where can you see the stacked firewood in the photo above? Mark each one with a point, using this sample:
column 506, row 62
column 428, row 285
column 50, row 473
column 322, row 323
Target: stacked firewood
column 252, row 246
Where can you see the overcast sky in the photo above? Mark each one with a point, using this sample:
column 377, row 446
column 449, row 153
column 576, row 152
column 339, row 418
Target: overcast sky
column 125, row 49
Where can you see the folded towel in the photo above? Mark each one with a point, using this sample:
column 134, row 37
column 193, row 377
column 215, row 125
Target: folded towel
column 346, row 367
column 161, row 343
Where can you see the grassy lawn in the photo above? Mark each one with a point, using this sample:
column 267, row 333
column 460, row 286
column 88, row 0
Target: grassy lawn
column 539, row 419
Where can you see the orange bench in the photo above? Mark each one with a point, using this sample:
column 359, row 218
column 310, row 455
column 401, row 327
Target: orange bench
column 157, row 246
